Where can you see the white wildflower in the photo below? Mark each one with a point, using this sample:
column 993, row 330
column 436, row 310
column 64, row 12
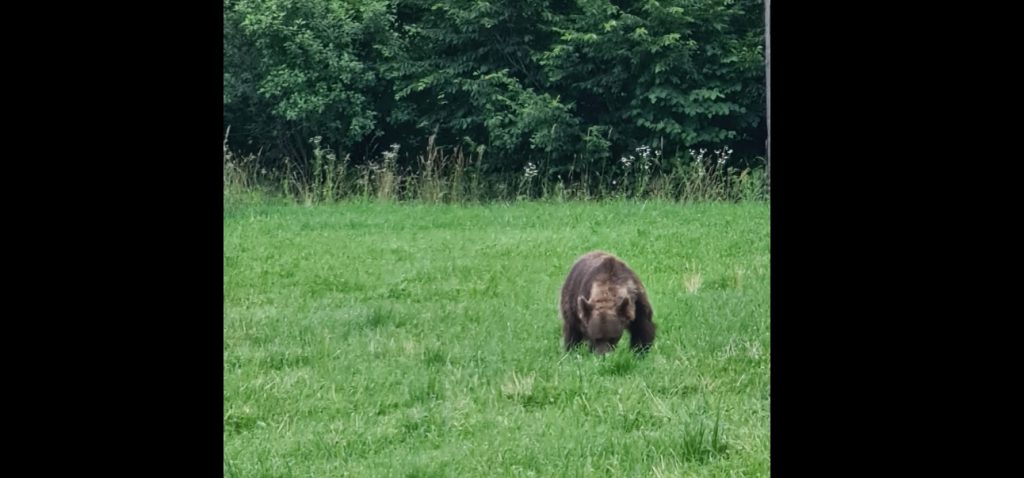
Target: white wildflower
column 529, row 171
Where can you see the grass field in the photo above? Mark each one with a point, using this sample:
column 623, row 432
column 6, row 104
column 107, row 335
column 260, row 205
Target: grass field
column 424, row 340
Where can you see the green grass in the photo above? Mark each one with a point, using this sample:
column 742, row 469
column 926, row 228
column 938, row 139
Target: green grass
column 367, row 339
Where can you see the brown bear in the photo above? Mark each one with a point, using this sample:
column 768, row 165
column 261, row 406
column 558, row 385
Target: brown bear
column 601, row 298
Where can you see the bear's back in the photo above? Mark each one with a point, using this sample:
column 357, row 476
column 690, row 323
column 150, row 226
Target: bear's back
column 601, row 269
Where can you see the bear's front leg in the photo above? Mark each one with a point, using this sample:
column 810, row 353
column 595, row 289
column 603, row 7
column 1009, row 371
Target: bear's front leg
column 571, row 334
column 641, row 331
column 641, row 335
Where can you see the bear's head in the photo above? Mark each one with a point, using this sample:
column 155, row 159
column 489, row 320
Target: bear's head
column 604, row 319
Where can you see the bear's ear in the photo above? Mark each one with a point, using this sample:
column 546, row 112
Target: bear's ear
column 624, row 309
column 584, row 306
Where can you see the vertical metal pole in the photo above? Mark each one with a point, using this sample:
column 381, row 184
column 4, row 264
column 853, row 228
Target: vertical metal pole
column 768, row 90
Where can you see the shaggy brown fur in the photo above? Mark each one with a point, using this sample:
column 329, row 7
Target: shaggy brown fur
column 601, row 298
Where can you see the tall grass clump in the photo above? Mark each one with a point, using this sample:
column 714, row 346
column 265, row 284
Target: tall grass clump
column 439, row 174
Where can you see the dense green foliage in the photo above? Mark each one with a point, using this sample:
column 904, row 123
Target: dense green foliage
column 570, row 86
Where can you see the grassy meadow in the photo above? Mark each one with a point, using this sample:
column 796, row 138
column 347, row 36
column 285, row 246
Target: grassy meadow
column 372, row 339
